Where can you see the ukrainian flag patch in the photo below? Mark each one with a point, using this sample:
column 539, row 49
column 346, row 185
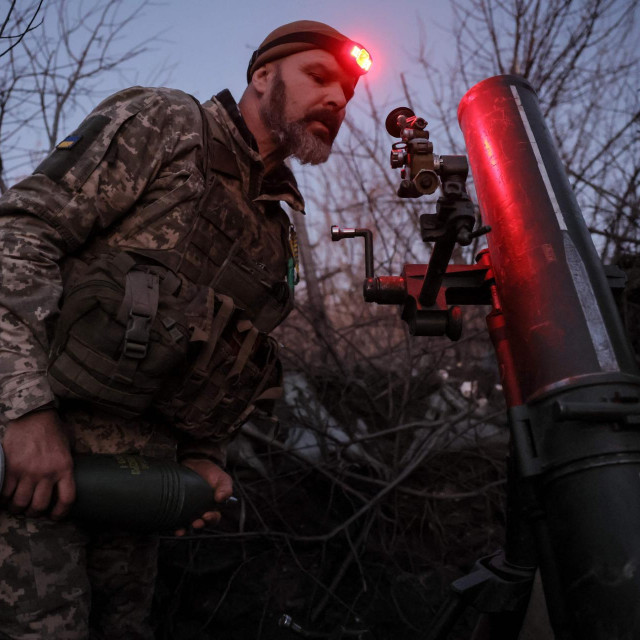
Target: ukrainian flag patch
column 69, row 142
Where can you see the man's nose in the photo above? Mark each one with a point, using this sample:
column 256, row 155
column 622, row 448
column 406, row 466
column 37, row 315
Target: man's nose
column 335, row 97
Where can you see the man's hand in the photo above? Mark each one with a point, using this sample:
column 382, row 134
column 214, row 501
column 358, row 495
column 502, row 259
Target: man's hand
column 38, row 461
column 219, row 481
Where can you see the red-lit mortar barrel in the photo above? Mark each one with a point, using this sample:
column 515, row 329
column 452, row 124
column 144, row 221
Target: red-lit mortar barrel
column 571, row 363
column 561, row 317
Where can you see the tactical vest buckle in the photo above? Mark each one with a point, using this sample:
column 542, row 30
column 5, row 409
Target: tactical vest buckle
column 136, row 337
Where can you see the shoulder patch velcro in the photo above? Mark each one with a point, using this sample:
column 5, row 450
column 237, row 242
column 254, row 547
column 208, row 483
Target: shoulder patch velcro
column 66, row 154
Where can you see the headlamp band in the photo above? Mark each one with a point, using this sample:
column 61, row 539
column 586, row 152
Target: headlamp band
column 321, row 40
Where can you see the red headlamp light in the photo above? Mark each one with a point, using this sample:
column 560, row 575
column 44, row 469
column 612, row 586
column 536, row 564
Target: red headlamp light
column 362, row 57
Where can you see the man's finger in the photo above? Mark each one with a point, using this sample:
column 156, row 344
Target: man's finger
column 21, row 496
column 41, row 498
column 218, row 479
column 8, row 487
column 224, row 487
column 66, row 495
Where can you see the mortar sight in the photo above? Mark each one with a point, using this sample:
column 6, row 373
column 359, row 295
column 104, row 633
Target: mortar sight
column 414, row 151
column 403, row 118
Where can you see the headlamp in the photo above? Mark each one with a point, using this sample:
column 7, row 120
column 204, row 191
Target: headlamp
column 362, row 56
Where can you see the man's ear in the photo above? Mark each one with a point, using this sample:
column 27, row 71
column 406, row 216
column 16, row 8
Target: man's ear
column 262, row 77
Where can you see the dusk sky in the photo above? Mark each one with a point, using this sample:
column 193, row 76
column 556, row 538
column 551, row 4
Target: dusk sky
column 205, row 46
column 210, row 41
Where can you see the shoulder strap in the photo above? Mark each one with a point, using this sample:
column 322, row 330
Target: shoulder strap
column 218, row 156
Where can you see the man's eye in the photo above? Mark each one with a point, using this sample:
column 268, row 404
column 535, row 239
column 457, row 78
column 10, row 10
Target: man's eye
column 317, row 78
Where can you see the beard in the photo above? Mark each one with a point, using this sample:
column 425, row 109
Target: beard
column 294, row 138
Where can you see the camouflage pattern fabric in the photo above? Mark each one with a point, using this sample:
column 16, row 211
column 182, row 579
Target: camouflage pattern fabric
column 60, row 581
column 122, row 571
column 44, row 588
column 136, row 182
column 130, row 176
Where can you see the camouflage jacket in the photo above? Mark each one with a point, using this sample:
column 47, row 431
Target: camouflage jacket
column 130, row 176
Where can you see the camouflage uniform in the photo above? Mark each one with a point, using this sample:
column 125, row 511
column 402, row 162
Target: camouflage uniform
column 133, row 176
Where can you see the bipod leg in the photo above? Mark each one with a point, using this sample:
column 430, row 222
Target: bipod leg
column 500, row 584
column 494, row 587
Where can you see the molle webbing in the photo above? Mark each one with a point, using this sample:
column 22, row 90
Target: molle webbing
column 211, row 254
column 216, row 401
column 71, row 380
column 131, row 318
column 120, row 329
column 237, row 370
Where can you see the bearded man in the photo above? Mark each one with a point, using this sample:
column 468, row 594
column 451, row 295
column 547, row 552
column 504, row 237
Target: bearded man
column 176, row 206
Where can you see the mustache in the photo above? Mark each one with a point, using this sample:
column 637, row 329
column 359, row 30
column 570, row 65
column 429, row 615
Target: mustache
column 327, row 117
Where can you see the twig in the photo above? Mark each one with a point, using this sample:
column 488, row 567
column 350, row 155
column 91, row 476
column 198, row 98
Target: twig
column 431, row 495
column 24, row 33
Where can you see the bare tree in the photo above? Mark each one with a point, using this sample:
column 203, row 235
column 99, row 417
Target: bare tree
column 16, row 38
column 59, row 68
column 582, row 59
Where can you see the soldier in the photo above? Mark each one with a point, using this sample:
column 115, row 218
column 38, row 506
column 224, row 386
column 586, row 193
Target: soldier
column 156, row 227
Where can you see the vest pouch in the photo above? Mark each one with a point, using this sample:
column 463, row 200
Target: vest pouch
column 120, row 334
column 267, row 303
column 236, row 375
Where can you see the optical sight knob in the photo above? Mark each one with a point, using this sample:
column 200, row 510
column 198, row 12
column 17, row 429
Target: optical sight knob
column 391, row 123
column 398, row 158
column 426, row 181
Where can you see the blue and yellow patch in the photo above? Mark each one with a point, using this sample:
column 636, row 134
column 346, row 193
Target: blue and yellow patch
column 57, row 164
column 69, row 142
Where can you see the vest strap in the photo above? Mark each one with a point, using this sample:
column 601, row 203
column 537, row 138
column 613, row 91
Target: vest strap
column 139, row 308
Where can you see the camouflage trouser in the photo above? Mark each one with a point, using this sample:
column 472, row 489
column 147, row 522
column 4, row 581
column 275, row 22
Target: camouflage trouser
column 58, row 581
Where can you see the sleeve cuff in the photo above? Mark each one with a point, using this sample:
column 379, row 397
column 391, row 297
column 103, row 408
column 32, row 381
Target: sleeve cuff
column 33, row 396
column 214, row 451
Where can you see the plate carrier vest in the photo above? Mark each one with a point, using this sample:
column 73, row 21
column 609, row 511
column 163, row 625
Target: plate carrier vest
column 179, row 333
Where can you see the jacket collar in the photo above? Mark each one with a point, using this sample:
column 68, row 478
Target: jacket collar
column 233, row 111
column 278, row 184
